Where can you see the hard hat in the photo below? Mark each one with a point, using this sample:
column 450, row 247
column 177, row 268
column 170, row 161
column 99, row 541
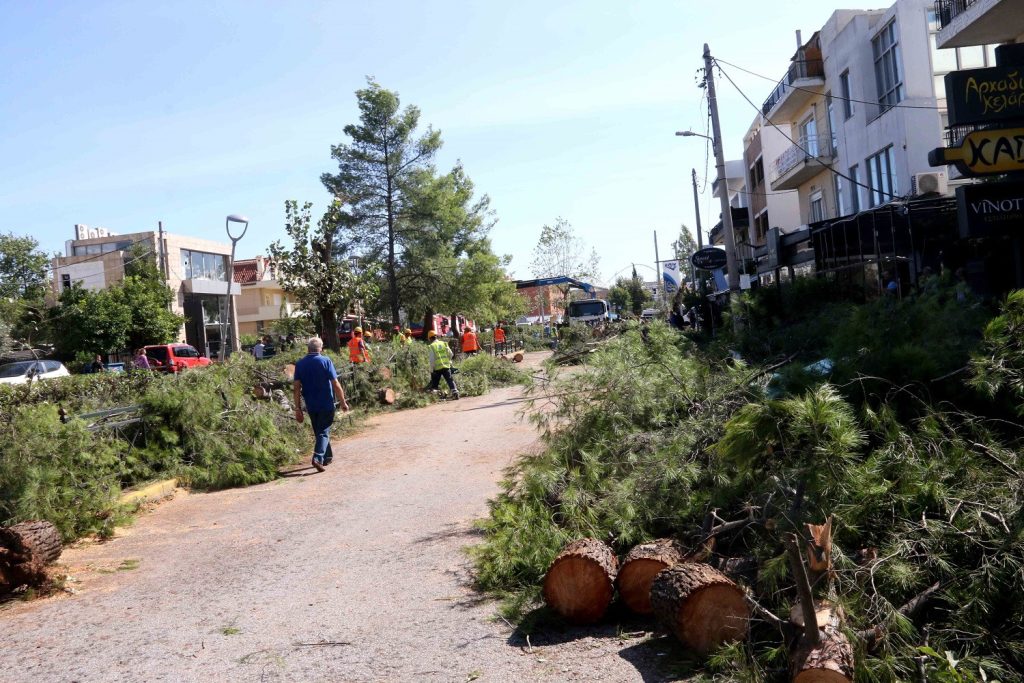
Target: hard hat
column 397, row 329
column 408, row 331
column 431, row 334
column 358, row 330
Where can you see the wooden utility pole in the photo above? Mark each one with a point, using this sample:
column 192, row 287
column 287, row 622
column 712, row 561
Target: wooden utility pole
column 716, row 132
column 696, row 208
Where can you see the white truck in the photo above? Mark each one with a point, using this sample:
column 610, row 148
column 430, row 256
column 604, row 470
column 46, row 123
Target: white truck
column 588, row 311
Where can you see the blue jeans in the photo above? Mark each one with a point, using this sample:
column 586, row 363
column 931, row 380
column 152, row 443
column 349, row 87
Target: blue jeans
column 321, row 422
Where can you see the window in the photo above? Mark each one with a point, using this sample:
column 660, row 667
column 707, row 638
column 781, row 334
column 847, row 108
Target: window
column 817, row 207
column 882, row 177
column 854, row 189
column 830, row 105
column 844, row 87
column 809, row 136
column 65, row 281
column 837, row 185
column 886, row 50
column 757, row 173
column 972, row 57
column 198, row 265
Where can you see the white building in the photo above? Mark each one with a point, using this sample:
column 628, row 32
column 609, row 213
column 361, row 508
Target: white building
column 980, row 22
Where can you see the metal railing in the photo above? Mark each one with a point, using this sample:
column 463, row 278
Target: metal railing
column 947, row 10
column 809, row 147
column 804, row 68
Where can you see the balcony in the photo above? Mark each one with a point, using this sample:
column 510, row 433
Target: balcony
column 978, row 22
column 264, row 313
column 804, row 81
column 800, row 163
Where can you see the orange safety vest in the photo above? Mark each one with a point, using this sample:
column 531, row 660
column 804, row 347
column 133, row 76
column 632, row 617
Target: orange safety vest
column 499, row 335
column 357, row 351
column 469, row 342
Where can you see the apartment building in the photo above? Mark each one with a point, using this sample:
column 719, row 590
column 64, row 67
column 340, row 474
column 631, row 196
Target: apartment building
column 262, row 300
column 195, row 269
column 767, row 208
column 967, row 23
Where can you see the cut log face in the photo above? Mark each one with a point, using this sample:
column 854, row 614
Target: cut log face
column 639, row 568
column 580, row 583
column 830, row 660
column 387, row 396
column 700, row 605
column 517, row 357
column 25, row 550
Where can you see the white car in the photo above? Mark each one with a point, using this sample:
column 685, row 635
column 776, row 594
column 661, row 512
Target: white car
column 21, row 371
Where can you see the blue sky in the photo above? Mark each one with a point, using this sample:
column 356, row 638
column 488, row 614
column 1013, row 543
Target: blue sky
column 122, row 114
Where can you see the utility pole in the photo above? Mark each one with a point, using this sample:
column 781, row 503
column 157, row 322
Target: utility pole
column 160, row 249
column 716, row 132
column 657, row 270
column 696, row 208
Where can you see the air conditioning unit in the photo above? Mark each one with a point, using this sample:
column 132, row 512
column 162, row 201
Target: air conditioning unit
column 929, row 183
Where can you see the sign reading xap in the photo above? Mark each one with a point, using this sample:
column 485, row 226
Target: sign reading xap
column 990, row 208
column 984, row 152
column 985, row 95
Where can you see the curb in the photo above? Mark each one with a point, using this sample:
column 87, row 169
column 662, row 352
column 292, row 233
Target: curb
column 150, row 493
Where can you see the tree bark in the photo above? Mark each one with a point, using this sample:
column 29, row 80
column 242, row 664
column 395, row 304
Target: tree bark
column 830, row 659
column 387, row 396
column 639, row 568
column 329, row 328
column 580, row 582
column 700, row 605
column 25, row 550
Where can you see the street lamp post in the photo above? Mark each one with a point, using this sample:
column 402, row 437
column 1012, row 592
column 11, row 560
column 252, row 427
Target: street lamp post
column 233, row 218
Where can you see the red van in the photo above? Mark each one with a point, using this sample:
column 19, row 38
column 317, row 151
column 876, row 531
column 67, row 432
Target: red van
column 175, row 357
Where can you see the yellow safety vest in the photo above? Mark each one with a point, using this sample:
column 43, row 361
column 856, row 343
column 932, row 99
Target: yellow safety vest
column 441, row 358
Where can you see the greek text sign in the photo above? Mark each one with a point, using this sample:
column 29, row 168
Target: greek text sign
column 985, row 95
column 984, row 152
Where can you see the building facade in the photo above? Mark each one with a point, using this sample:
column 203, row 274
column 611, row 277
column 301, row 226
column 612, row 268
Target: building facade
column 966, row 23
column 195, row 270
column 262, row 300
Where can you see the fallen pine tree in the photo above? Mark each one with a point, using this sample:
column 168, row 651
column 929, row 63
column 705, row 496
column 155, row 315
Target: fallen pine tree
column 926, row 546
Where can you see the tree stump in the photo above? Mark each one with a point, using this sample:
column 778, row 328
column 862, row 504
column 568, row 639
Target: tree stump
column 386, row 396
column 25, row 550
column 639, row 568
column 289, row 371
column 830, row 660
column 700, row 605
column 580, row 582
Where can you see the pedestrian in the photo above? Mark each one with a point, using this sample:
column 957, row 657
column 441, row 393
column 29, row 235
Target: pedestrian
column 316, row 382
column 140, row 360
column 407, row 337
column 441, row 364
column 357, row 349
column 290, row 339
column 97, row 364
column 499, row 339
column 470, row 347
column 257, row 351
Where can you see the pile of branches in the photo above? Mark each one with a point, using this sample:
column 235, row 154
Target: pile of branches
column 926, row 546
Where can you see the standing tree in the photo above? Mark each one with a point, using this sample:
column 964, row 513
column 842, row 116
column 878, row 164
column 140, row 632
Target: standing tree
column 629, row 294
column 381, row 172
column 684, row 246
column 313, row 269
column 560, row 252
column 22, row 284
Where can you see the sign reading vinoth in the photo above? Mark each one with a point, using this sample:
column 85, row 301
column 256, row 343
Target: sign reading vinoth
column 989, row 208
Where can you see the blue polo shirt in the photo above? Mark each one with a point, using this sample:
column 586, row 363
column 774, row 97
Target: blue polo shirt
column 315, row 372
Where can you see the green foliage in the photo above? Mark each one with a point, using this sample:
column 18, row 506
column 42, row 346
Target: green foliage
column 560, row 251
column 998, row 365
column 22, row 267
column 629, row 295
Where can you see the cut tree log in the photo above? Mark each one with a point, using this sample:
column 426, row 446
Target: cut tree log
column 517, row 357
column 700, row 605
column 386, row 396
column 25, row 550
column 580, row 582
column 830, row 659
column 384, row 372
column 639, row 568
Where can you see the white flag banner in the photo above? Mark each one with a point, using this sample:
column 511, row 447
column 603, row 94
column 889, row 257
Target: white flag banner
column 673, row 278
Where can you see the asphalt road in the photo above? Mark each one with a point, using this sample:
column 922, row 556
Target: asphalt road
column 356, row 574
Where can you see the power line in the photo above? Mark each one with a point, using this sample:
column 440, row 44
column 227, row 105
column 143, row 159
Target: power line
column 832, row 95
column 812, row 157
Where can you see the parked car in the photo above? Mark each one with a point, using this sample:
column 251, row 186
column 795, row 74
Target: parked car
column 22, row 371
column 175, row 357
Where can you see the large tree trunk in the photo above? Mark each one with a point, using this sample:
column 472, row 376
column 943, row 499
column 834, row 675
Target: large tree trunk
column 639, row 568
column 700, row 605
column 581, row 581
column 428, row 324
column 25, row 550
column 329, row 328
column 830, row 660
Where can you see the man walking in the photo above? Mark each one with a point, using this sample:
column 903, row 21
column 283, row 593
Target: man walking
column 499, row 340
column 441, row 364
column 316, row 381
column 470, row 347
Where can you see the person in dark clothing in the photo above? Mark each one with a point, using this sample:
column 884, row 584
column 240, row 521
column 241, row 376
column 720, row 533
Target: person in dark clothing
column 97, row 364
column 316, row 382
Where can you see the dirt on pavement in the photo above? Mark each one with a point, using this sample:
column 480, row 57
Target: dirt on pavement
column 356, row 574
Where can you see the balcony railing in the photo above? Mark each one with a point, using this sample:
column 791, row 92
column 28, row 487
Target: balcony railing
column 947, row 10
column 804, row 68
column 810, row 147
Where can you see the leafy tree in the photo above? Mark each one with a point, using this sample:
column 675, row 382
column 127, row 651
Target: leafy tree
column 560, row 252
column 684, row 246
column 22, row 284
column 383, row 173
column 629, row 294
column 312, row 270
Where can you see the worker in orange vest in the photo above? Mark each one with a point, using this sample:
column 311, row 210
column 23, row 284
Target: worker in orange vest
column 499, row 339
column 357, row 349
column 470, row 347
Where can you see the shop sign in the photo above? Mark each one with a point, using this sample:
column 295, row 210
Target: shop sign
column 985, row 95
column 708, row 258
column 984, row 152
column 989, row 208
